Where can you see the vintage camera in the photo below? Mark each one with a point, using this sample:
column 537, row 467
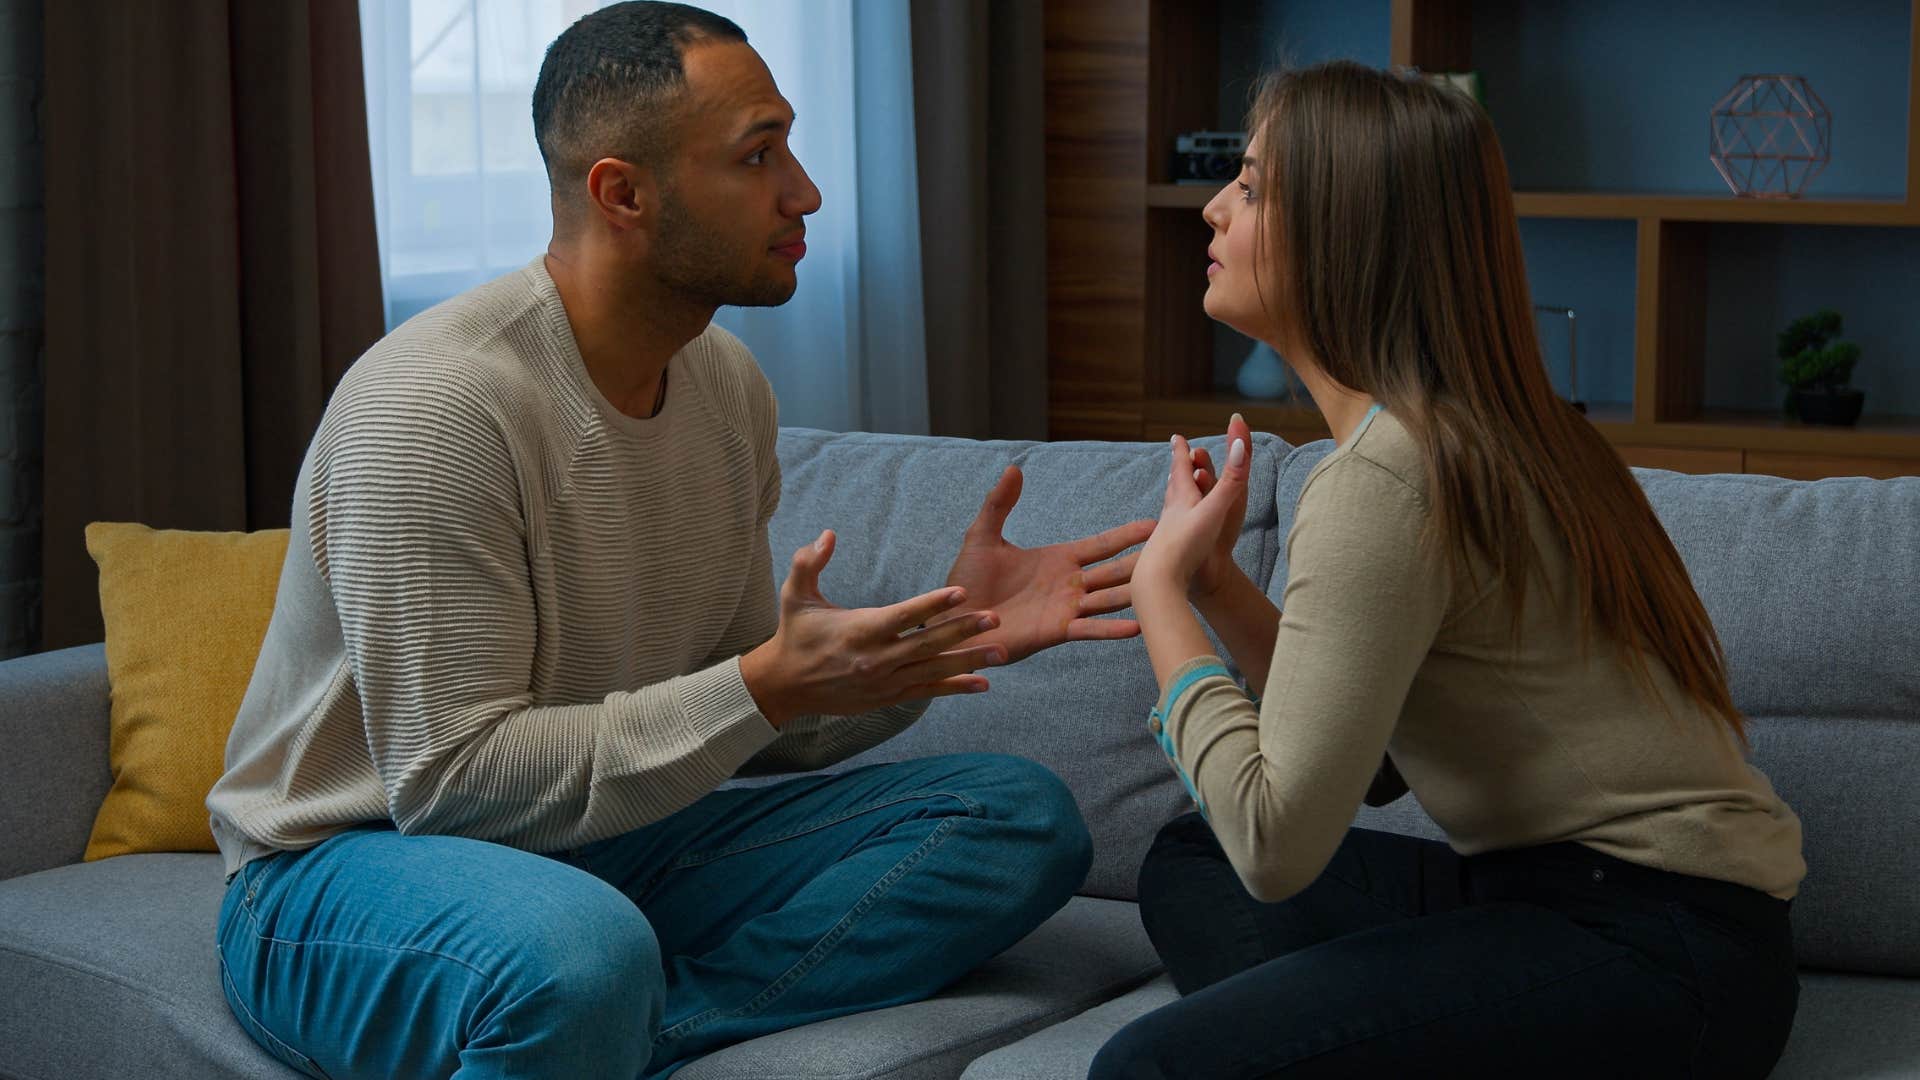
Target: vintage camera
column 1207, row 157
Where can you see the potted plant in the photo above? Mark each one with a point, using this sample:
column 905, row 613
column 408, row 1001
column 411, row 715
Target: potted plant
column 1816, row 367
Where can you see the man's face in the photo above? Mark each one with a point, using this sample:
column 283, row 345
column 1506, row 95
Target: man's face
column 733, row 196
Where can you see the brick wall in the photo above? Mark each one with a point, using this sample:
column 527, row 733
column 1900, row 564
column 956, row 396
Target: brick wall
column 22, row 248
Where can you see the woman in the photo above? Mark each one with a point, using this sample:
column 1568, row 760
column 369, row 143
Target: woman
column 1479, row 599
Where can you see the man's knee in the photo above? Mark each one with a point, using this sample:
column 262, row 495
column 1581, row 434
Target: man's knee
column 592, row 956
column 1036, row 808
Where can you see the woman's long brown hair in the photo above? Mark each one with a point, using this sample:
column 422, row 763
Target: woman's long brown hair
column 1403, row 274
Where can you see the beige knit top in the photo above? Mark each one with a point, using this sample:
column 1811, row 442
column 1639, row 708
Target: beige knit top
column 1504, row 747
column 508, row 610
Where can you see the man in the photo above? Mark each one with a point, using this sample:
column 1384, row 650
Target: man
column 527, row 625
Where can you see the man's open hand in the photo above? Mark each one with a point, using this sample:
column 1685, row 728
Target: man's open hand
column 840, row 661
column 1048, row 595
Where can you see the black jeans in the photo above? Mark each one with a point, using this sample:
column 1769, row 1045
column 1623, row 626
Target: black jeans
column 1406, row 960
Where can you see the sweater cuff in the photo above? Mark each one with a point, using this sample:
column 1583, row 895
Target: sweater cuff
column 722, row 714
column 1183, row 679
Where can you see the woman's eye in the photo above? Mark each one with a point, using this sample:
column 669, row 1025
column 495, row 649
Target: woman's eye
column 1245, row 191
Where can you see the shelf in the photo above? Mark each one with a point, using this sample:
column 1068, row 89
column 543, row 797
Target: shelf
column 1873, row 436
column 1554, row 204
column 1557, row 204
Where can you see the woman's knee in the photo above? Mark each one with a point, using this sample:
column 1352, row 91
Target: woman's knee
column 1131, row 1054
column 1181, row 847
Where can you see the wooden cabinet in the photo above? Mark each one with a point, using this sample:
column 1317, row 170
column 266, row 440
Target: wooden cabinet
column 1131, row 353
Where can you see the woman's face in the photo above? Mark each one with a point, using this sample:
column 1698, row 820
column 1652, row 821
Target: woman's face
column 1233, row 296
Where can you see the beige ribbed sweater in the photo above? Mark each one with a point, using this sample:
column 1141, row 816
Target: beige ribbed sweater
column 1504, row 747
column 511, row 612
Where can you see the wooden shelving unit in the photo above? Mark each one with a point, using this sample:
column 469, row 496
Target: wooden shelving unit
column 1131, row 347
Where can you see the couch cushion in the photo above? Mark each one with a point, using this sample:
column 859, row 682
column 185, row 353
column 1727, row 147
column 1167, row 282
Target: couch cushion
column 1855, row 1026
column 1090, row 952
column 107, row 969
column 900, row 504
column 1814, row 588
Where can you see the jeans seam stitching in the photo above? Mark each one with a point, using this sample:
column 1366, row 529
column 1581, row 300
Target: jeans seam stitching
column 226, row 977
column 702, row 858
column 806, row 964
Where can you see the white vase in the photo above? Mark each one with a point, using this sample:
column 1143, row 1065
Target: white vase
column 1262, row 375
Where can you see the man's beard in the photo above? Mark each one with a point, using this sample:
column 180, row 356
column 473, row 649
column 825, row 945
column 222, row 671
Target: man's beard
column 695, row 261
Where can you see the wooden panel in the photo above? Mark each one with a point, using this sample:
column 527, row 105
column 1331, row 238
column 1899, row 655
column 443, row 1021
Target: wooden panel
column 1819, row 467
column 1913, row 109
column 1684, row 460
column 1433, row 35
column 1179, row 345
column 1669, row 321
column 1183, row 76
column 1095, row 75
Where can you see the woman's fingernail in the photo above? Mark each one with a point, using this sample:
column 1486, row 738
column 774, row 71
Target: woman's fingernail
column 1237, row 419
column 1238, row 454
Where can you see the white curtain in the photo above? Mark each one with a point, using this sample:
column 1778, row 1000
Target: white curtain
column 461, row 196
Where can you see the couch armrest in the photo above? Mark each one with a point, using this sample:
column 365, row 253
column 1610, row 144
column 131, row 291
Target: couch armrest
column 53, row 756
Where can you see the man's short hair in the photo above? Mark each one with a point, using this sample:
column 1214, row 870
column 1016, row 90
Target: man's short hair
column 608, row 83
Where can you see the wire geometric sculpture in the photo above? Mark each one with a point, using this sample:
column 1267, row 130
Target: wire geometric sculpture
column 1770, row 134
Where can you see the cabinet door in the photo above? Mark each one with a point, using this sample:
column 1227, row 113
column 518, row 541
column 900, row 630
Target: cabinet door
column 1821, row 466
column 1683, row 459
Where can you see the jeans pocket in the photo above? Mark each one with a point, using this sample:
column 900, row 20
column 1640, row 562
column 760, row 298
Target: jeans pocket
column 266, row 1040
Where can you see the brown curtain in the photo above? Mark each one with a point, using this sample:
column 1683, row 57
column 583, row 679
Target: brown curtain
column 977, row 95
column 212, row 266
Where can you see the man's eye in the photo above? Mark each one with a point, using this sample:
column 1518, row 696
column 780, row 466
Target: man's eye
column 758, row 157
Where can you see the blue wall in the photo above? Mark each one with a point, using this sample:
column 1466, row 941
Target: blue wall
column 1761, row 277
column 1260, row 35
column 1587, row 266
column 1615, row 96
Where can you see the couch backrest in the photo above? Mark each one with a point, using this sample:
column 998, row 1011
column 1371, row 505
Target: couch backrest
column 1815, row 591
column 900, row 505
column 53, row 756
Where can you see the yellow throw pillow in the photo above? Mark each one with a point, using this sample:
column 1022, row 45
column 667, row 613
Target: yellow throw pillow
column 185, row 614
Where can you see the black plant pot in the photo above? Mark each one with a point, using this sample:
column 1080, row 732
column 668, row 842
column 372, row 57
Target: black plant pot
column 1827, row 405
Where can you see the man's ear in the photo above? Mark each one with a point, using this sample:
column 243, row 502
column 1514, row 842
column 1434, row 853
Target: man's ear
column 622, row 194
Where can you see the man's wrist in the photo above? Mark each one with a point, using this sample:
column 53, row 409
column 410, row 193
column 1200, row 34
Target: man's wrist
column 756, row 673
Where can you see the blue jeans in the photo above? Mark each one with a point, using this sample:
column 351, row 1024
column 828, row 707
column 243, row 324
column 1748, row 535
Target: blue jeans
column 379, row 955
column 1406, row 959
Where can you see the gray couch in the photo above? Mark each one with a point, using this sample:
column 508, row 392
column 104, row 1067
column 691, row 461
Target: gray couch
column 107, row 969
